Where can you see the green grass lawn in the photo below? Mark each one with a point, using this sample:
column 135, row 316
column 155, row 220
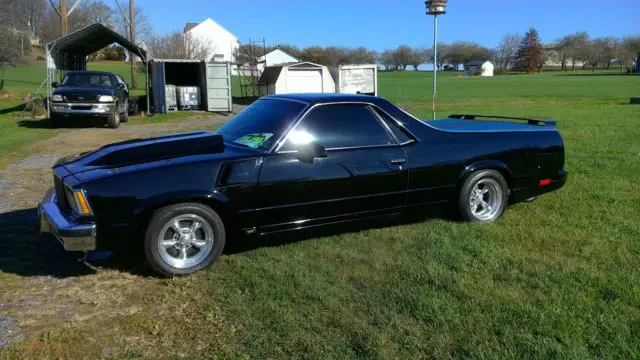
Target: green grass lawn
column 556, row 278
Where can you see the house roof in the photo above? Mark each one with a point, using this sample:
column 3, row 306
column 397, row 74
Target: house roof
column 274, row 50
column 69, row 52
column 209, row 20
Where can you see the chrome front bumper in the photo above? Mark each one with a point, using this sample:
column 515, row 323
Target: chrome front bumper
column 72, row 235
column 82, row 109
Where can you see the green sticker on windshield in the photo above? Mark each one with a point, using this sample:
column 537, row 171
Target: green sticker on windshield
column 254, row 140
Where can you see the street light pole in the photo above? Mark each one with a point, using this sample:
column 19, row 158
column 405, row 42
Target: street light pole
column 435, row 63
column 435, row 8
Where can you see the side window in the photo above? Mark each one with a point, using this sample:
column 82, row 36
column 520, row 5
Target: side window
column 397, row 131
column 338, row 126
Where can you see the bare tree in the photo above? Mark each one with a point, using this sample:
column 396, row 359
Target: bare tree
column 507, row 49
column 628, row 50
column 577, row 47
column 143, row 28
column 419, row 56
column 177, row 45
column 386, row 59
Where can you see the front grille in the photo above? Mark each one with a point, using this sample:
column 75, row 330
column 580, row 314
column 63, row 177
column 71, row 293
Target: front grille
column 61, row 194
column 81, row 107
column 80, row 98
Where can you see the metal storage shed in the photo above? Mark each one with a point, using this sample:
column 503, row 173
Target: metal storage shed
column 213, row 79
column 356, row 79
column 70, row 52
column 305, row 77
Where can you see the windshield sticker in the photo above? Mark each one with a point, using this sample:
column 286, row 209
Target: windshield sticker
column 254, row 140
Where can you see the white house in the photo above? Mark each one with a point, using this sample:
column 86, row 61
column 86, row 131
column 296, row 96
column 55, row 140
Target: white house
column 221, row 41
column 303, row 77
column 484, row 67
column 275, row 57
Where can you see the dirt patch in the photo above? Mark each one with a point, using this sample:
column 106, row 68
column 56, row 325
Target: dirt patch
column 45, row 287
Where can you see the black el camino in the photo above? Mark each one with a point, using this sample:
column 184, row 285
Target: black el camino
column 290, row 162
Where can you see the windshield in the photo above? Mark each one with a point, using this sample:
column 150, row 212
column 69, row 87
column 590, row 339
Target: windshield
column 261, row 124
column 87, row 79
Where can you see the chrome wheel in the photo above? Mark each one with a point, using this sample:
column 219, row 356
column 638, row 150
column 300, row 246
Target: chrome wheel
column 185, row 241
column 485, row 199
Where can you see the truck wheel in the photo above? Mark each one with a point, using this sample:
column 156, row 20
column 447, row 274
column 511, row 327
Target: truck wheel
column 124, row 116
column 483, row 196
column 113, row 121
column 184, row 238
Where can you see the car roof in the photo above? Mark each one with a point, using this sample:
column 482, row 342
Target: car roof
column 92, row 72
column 320, row 98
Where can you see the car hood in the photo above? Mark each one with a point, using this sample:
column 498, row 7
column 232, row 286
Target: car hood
column 86, row 90
column 148, row 152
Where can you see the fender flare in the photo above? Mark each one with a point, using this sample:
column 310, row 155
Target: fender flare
column 486, row 164
column 160, row 200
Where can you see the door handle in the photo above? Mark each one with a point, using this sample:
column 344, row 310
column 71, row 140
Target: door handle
column 398, row 161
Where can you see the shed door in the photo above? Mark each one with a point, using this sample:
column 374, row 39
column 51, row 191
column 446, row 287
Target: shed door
column 218, row 87
column 304, row 81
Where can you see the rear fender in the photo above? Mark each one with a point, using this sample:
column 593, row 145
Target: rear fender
column 483, row 165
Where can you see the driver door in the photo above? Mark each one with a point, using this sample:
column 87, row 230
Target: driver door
column 361, row 174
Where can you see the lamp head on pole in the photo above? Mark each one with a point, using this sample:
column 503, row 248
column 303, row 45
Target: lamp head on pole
column 436, row 7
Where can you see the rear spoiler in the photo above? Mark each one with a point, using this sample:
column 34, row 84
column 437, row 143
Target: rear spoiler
column 528, row 120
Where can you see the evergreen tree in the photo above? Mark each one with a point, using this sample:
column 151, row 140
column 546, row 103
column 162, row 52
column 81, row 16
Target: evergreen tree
column 529, row 53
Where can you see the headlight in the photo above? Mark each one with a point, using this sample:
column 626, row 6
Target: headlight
column 106, row 98
column 78, row 201
column 56, row 97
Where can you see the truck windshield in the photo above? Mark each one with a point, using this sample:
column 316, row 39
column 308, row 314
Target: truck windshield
column 261, row 124
column 87, row 79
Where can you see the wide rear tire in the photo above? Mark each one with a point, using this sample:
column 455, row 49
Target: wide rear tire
column 184, row 238
column 483, row 196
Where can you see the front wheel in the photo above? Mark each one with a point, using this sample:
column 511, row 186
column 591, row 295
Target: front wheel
column 113, row 121
column 184, row 238
column 483, row 196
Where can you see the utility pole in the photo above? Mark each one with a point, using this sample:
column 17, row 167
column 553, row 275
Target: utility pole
column 132, row 35
column 63, row 13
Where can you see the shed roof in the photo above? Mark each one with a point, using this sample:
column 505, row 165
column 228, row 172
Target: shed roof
column 270, row 75
column 69, row 52
column 475, row 63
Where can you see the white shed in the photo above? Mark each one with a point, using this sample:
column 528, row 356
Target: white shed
column 304, row 77
column 356, row 79
column 220, row 41
column 485, row 68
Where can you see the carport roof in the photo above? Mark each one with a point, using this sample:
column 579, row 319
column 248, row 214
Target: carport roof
column 73, row 48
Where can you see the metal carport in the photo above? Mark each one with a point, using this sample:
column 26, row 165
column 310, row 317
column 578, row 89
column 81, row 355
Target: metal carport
column 69, row 53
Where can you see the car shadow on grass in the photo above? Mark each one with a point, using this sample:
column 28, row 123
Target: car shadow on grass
column 45, row 123
column 26, row 252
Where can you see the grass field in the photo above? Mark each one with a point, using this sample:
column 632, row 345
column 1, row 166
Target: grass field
column 556, row 278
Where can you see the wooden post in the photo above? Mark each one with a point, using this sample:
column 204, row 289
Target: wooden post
column 132, row 35
column 64, row 24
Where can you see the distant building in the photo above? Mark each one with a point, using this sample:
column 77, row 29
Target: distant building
column 484, row 67
column 221, row 41
column 304, row 77
column 275, row 57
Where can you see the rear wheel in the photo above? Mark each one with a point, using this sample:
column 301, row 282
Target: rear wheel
column 483, row 196
column 184, row 238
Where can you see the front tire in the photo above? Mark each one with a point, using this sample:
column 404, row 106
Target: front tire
column 483, row 196
column 113, row 121
column 184, row 238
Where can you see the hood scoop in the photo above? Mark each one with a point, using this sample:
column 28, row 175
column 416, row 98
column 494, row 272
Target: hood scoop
column 154, row 149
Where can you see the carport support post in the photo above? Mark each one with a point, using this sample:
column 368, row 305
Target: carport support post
column 435, row 62
column 132, row 35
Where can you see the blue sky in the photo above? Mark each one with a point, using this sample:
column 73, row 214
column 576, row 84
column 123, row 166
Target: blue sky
column 380, row 25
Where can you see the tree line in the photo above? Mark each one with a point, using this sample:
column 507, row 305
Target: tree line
column 24, row 21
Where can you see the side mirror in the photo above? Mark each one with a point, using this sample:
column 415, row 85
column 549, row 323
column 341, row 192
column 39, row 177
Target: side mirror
column 54, row 84
column 311, row 151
